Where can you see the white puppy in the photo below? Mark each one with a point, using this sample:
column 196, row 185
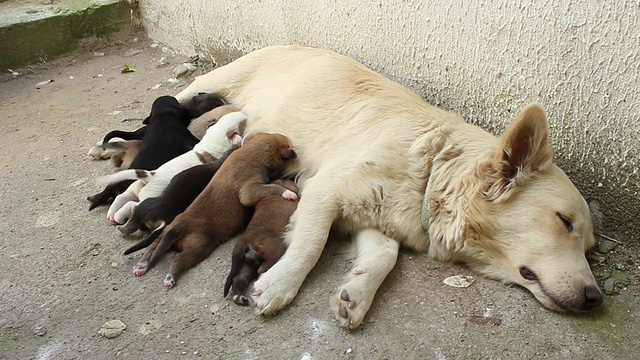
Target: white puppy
column 219, row 138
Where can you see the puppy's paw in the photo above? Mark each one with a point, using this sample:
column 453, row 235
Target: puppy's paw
column 169, row 281
column 289, row 195
column 240, row 299
column 140, row 268
column 275, row 289
column 349, row 308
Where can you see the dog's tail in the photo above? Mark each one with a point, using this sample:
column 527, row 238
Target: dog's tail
column 145, row 242
column 129, row 174
column 237, row 257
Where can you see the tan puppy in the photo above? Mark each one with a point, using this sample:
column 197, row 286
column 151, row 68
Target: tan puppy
column 121, row 153
column 262, row 244
column 498, row 204
column 199, row 125
column 223, row 209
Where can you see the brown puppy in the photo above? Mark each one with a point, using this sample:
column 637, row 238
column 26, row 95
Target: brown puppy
column 262, row 244
column 223, row 209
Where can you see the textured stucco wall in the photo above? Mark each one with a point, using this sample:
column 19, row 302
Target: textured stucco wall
column 481, row 59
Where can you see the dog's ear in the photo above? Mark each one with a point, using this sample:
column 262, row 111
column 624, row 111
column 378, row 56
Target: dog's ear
column 288, row 154
column 146, row 120
column 524, row 146
column 524, row 149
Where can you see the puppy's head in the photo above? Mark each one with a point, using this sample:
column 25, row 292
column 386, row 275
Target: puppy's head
column 227, row 131
column 529, row 225
column 275, row 151
column 167, row 107
column 202, row 103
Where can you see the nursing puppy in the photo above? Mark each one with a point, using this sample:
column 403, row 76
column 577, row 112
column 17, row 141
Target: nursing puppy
column 219, row 138
column 165, row 137
column 121, row 152
column 262, row 243
column 223, row 209
column 498, row 204
column 199, row 126
column 157, row 212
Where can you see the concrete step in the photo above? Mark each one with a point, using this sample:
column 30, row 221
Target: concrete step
column 39, row 30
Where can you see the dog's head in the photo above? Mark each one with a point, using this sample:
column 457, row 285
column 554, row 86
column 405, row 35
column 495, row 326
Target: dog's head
column 528, row 224
column 274, row 149
column 226, row 132
column 168, row 106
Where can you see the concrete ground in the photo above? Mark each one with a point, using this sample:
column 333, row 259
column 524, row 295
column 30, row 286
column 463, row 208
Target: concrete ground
column 64, row 275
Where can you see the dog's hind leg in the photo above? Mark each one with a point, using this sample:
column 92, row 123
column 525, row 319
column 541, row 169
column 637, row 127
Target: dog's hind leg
column 131, row 194
column 376, row 255
column 195, row 248
column 311, row 222
column 121, row 216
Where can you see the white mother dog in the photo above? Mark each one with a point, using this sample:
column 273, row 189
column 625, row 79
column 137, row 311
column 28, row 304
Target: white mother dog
column 368, row 151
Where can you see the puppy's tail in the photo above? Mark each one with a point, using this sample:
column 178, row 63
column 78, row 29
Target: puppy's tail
column 237, row 257
column 129, row 174
column 145, row 242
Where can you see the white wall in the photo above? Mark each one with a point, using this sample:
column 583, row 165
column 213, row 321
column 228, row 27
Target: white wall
column 482, row 59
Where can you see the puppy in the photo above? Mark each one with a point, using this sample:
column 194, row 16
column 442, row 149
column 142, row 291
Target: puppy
column 199, row 126
column 157, row 212
column 165, row 137
column 218, row 139
column 121, row 152
column 203, row 103
column 262, row 244
column 223, row 209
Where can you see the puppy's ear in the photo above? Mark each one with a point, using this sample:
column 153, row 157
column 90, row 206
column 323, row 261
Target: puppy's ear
column 288, row 154
column 146, row 120
column 524, row 150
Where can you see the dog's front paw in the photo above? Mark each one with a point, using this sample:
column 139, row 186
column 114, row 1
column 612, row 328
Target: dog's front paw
column 349, row 307
column 289, row 195
column 274, row 290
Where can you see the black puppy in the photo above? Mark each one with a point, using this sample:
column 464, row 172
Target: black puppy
column 158, row 212
column 197, row 106
column 203, row 103
column 166, row 137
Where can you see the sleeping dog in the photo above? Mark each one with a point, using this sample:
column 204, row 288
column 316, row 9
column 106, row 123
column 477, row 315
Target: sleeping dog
column 223, row 209
column 262, row 244
column 165, row 137
column 219, row 138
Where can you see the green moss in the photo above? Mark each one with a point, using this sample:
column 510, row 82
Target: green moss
column 614, row 323
column 41, row 40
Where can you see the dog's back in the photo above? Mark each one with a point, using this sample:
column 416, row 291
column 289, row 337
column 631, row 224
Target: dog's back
column 262, row 244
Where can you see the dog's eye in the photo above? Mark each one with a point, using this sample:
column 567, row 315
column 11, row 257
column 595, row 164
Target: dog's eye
column 566, row 221
column 526, row 273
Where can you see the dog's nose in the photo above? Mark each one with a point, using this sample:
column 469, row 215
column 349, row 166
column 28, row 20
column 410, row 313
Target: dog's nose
column 592, row 297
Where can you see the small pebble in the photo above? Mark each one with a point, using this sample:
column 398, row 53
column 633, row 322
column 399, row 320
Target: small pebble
column 112, row 329
column 606, row 246
column 132, row 52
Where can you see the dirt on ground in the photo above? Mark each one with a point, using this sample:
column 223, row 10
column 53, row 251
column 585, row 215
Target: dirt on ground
column 64, row 275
